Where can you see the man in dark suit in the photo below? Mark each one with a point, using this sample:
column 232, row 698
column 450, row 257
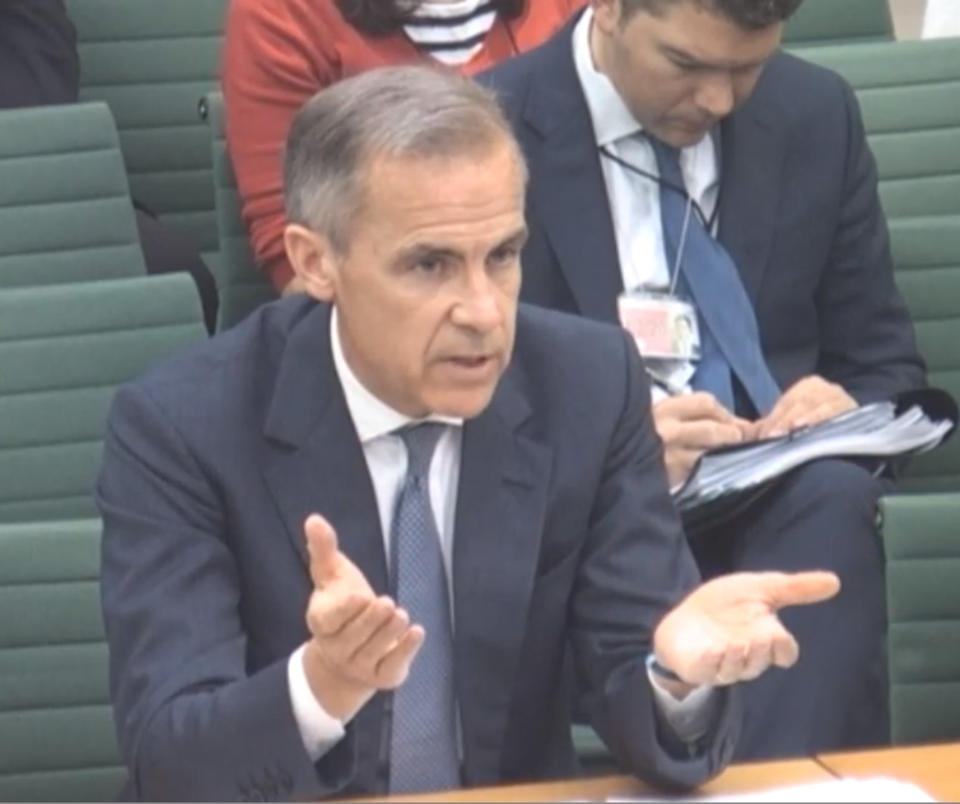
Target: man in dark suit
column 348, row 544
column 675, row 153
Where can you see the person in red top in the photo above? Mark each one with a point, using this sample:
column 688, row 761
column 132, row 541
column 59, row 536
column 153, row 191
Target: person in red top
column 279, row 53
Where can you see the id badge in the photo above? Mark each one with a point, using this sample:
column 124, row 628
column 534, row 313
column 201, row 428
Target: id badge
column 664, row 326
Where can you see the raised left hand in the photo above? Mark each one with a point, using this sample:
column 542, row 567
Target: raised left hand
column 727, row 629
column 808, row 401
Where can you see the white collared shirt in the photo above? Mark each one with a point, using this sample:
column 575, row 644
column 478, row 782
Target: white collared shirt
column 635, row 200
column 386, row 457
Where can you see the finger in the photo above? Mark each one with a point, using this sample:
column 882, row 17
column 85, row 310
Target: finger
column 748, row 429
column 393, row 668
column 693, row 407
column 799, row 588
column 816, row 414
column 322, row 549
column 703, row 435
column 758, row 660
column 732, row 664
column 356, row 633
column 383, row 640
column 329, row 613
column 784, row 650
column 763, row 637
column 782, row 419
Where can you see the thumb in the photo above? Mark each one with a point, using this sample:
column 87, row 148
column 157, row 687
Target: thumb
column 799, row 588
column 322, row 548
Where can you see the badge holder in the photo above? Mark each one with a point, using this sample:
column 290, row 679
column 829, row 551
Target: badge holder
column 664, row 326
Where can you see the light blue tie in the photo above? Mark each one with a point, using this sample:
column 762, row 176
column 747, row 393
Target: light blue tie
column 729, row 336
column 423, row 737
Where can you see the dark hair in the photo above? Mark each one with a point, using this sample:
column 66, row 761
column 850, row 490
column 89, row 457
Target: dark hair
column 382, row 17
column 748, row 14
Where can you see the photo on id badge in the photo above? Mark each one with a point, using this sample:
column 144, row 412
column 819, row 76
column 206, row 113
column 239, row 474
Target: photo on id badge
column 663, row 326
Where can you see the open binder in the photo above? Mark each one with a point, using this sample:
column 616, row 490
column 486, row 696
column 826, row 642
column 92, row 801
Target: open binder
column 728, row 479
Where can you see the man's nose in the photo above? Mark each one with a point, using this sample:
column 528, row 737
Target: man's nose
column 478, row 308
column 716, row 96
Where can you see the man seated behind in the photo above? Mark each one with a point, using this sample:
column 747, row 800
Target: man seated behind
column 679, row 159
column 348, row 543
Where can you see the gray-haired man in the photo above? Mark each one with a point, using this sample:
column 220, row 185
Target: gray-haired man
column 348, row 544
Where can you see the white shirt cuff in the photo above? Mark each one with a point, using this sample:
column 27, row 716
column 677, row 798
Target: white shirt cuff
column 690, row 718
column 319, row 730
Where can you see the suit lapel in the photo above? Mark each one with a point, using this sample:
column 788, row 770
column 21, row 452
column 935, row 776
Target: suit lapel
column 751, row 164
column 501, row 505
column 317, row 463
column 569, row 197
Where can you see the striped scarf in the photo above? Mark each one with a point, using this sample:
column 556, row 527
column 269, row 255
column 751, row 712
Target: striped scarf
column 451, row 32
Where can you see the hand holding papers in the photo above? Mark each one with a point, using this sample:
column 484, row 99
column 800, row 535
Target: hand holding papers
column 913, row 423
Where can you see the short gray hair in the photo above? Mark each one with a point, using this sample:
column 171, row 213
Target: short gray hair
column 409, row 111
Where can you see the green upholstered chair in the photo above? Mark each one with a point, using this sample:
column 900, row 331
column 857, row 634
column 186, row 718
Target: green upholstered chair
column 835, row 21
column 910, row 96
column 65, row 212
column 926, row 252
column 150, row 60
column 921, row 534
column 56, row 733
column 63, row 351
column 241, row 284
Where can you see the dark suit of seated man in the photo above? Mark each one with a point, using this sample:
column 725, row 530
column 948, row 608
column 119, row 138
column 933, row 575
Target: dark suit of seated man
column 348, row 543
column 38, row 54
column 673, row 150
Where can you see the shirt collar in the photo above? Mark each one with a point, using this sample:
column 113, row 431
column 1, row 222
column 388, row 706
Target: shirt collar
column 610, row 116
column 371, row 416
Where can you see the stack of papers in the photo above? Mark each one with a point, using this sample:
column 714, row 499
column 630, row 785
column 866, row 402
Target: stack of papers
column 880, row 430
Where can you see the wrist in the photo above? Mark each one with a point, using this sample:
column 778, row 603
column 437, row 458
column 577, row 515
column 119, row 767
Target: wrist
column 667, row 679
column 340, row 697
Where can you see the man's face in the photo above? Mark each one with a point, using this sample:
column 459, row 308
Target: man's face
column 679, row 73
column 427, row 292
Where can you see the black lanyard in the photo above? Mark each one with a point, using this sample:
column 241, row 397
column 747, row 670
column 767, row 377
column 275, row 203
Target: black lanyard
column 708, row 223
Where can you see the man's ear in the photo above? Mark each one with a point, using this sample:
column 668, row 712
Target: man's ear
column 313, row 260
column 606, row 14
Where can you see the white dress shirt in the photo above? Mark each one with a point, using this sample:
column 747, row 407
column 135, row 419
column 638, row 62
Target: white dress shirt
column 635, row 200
column 386, row 458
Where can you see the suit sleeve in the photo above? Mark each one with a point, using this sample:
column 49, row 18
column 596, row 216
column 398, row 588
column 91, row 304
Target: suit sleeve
column 867, row 338
column 276, row 56
column 191, row 723
column 635, row 567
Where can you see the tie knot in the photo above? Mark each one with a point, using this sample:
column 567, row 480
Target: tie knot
column 420, row 441
column 668, row 161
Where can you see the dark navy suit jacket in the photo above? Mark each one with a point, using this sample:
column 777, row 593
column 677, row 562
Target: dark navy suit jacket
column 564, row 535
column 798, row 212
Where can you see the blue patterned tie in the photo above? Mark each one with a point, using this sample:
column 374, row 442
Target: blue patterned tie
column 729, row 336
column 423, row 737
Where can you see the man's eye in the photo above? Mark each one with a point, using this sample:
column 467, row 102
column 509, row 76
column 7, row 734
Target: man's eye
column 429, row 265
column 506, row 254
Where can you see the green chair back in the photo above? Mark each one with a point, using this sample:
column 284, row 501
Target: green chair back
column 241, row 284
column 63, row 351
column 910, row 96
column 839, row 21
column 926, row 252
column 57, row 740
column 65, row 212
column 151, row 61
column 921, row 534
